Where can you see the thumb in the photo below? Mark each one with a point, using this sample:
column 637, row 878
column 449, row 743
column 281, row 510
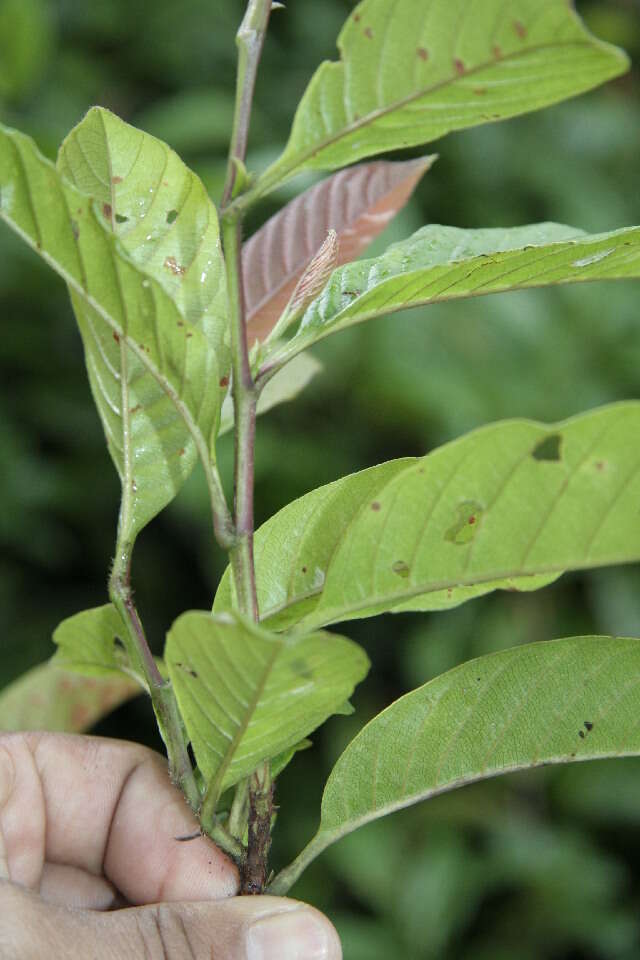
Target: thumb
column 241, row 928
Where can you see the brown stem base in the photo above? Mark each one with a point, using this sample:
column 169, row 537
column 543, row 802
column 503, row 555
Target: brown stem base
column 254, row 871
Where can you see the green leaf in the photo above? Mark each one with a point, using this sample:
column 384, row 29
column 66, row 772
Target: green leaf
column 293, row 550
column 412, row 71
column 164, row 219
column 121, row 303
column 49, row 698
column 444, row 263
column 553, row 702
column 91, row 642
column 285, row 385
column 247, row 695
column 510, row 501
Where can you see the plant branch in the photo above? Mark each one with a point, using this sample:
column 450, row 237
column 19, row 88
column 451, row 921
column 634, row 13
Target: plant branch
column 160, row 690
column 244, row 402
column 249, row 40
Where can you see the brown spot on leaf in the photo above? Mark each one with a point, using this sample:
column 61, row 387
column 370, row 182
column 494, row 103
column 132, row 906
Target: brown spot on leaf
column 401, row 568
column 75, row 229
column 135, row 409
column 368, row 32
column 459, row 66
column 176, row 268
column 304, row 569
column 497, row 51
column 107, row 210
column 224, row 381
column 116, row 180
column 520, row 29
column 423, row 53
column 480, row 91
column 116, row 337
column 181, row 452
column 375, row 505
column 356, row 17
column 187, row 669
column 600, row 465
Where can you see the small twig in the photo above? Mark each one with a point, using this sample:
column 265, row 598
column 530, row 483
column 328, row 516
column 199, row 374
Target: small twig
column 249, row 40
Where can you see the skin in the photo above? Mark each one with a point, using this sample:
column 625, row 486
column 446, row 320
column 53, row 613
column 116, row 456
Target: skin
column 90, row 867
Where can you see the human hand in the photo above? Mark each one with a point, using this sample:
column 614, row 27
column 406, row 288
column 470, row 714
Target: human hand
column 90, row 868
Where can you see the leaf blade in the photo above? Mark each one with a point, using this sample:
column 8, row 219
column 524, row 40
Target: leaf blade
column 494, row 509
column 247, row 695
column 129, row 307
column 164, row 220
column 439, row 263
column 50, row 698
column 556, row 701
column 358, row 203
column 392, row 88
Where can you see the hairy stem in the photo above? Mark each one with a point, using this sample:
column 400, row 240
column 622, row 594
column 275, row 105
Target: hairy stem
column 244, row 402
column 160, row 690
column 249, row 39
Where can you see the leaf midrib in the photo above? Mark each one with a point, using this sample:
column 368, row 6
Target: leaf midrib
column 214, row 789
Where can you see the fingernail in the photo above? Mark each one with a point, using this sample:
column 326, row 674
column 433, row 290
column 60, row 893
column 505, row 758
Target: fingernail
column 292, row 935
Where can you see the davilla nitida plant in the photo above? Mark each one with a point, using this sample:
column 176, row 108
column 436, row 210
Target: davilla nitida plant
column 187, row 334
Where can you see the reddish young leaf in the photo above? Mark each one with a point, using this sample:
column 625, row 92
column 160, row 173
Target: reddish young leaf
column 357, row 203
column 49, row 698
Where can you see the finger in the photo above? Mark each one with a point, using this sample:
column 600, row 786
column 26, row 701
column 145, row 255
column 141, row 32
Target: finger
column 106, row 808
column 242, row 928
column 68, row 886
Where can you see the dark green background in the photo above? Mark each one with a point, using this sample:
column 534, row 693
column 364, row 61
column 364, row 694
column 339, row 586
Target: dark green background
column 539, row 866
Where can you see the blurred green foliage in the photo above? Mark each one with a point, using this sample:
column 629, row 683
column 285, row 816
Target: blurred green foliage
column 544, row 865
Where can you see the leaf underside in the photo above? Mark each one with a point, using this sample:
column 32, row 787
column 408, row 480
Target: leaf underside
column 413, row 70
column 164, row 220
column 119, row 303
column 551, row 702
column 50, row 698
column 92, row 643
column 358, row 203
column 509, row 506
column 247, row 695
column 439, row 263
